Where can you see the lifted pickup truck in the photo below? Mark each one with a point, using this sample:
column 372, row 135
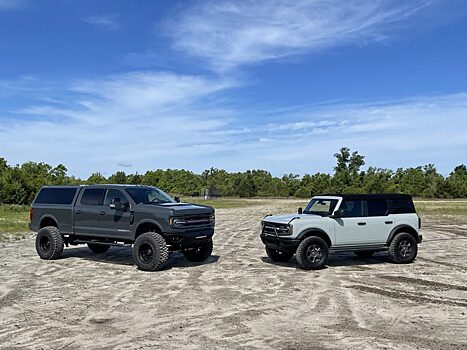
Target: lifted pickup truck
column 121, row 215
column 361, row 223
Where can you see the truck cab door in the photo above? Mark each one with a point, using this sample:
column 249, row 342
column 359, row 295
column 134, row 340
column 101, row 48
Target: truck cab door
column 86, row 212
column 115, row 222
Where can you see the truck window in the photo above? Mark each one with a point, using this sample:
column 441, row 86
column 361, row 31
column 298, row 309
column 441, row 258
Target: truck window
column 114, row 194
column 92, row 196
column 377, row 207
column 352, row 209
column 51, row 195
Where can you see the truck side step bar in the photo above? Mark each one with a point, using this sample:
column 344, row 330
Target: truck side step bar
column 79, row 241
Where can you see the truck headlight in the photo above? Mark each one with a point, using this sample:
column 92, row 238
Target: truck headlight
column 177, row 222
column 212, row 219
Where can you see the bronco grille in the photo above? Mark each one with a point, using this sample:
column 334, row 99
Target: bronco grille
column 270, row 228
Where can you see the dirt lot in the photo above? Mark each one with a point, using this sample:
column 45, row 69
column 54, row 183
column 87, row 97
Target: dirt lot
column 238, row 299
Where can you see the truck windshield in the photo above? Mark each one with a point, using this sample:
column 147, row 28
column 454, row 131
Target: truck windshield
column 148, row 195
column 323, row 207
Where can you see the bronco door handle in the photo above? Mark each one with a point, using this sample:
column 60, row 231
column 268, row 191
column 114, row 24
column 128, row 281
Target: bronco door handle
column 361, row 224
column 388, row 222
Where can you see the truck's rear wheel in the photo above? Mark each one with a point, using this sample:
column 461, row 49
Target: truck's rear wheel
column 98, row 248
column 150, row 252
column 199, row 253
column 403, row 248
column 49, row 243
column 278, row 255
column 312, row 253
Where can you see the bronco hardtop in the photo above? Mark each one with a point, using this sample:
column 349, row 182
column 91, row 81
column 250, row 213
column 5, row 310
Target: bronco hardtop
column 362, row 223
column 102, row 216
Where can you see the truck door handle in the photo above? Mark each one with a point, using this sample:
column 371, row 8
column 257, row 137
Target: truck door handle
column 361, row 223
column 102, row 213
column 78, row 212
column 388, row 222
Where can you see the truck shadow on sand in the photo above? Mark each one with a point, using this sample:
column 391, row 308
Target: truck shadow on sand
column 336, row 260
column 124, row 256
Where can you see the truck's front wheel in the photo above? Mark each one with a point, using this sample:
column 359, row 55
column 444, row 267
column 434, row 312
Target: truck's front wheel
column 312, row 253
column 150, row 252
column 49, row 243
column 199, row 253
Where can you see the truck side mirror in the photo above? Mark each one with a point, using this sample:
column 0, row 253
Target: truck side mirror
column 177, row 199
column 116, row 204
column 300, row 210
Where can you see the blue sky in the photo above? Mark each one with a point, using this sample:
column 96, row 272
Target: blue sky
column 122, row 85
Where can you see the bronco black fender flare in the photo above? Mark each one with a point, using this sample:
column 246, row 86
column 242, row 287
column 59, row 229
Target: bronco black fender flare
column 315, row 232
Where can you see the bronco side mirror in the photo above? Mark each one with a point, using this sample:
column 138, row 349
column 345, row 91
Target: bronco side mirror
column 116, row 204
column 177, row 199
column 300, row 210
column 337, row 214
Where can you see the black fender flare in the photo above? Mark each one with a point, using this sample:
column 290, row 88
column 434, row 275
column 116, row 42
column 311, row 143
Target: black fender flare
column 48, row 216
column 322, row 234
column 146, row 221
column 404, row 228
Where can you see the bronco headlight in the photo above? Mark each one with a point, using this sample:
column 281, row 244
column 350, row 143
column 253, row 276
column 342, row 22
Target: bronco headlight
column 177, row 222
column 284, row 230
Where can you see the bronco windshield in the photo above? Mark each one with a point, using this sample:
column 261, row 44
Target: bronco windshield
column 148, row 195
column 320, row 206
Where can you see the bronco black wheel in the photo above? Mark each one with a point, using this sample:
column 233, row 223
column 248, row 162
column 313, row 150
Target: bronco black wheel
column 49, row 243
column 150, row 252
column 278, row 255
column 200, row 252
column 98, row 248
column 312, row 253
column 403, row 248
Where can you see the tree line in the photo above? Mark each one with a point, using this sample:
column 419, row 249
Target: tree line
column 20, row 183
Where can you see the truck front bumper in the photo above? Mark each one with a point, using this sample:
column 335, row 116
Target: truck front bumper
column 188, row 239
column 280, row 243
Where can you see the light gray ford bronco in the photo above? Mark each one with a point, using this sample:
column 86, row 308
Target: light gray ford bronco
column 102, row 216
column 364, row 224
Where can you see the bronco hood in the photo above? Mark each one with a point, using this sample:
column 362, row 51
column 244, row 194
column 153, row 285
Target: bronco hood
column 285, row 219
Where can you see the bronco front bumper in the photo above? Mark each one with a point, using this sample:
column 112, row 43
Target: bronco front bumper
column 279, row 243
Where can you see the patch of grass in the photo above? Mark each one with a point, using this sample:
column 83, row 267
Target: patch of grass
column 441, row 207
column 13, row 221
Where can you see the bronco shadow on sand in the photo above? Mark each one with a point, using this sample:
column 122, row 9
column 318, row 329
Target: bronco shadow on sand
column 102, row 216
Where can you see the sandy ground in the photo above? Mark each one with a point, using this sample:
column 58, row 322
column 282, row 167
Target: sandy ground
column 238, row 299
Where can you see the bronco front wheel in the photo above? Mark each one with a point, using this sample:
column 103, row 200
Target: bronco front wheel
column 312, row 253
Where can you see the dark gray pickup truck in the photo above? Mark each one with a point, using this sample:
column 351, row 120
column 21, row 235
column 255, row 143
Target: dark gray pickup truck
column 121, row 215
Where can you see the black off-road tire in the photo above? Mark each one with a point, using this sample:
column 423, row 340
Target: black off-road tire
column 312, row 253
column 403, row 248
column 278, row 255
column 49, row 243
column 98, row 248
column 150, row 252
column 364, row 253
column 199, row 253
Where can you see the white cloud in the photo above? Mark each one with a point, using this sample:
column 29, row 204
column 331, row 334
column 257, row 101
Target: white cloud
column 106, row 21
column 232, row 33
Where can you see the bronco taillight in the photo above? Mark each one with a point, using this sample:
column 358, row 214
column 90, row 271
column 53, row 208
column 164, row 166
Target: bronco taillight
column 31, row 214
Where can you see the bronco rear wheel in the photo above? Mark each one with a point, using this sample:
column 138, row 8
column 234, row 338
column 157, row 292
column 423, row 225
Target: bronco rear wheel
column 150, row 252
column 278, row 255
column 199, row 253
column 49, row 243
column 312, row 253
column 403, row 248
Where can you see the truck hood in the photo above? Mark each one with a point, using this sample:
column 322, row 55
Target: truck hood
column 285, row 219
column 180, row 209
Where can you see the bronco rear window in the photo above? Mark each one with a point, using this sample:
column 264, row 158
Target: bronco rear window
column 56, row 196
